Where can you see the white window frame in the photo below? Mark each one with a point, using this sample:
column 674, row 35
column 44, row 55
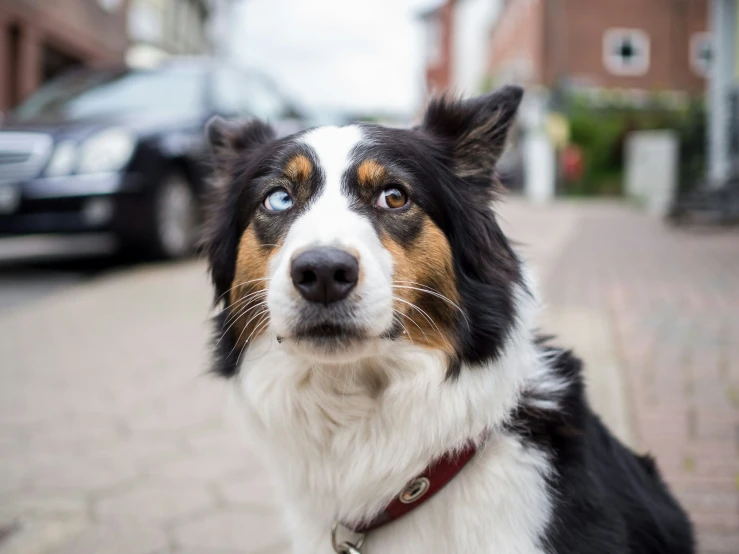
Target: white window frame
column 614, row 64
column 695, row 62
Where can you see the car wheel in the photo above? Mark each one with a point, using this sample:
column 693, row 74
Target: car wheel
column 175, row 218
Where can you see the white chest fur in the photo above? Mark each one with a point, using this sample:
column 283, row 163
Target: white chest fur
column 342, row 441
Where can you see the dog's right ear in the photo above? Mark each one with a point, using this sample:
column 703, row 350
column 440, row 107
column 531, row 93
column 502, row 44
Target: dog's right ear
column 230, row 140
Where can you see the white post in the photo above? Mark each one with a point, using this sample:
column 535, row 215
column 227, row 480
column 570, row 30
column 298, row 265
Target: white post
column 539, row 156
column 723, row 21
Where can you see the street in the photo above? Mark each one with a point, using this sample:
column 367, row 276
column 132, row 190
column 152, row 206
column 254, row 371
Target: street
column 114, row 438
column 34, row 266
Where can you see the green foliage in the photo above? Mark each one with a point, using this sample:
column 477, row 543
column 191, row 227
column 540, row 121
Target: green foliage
column 601, row 133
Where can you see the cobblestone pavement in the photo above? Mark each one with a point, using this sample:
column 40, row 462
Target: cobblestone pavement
column 113, row 439
column 672, row 298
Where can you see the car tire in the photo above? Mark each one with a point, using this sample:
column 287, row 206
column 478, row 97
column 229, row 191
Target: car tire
column 174, row 218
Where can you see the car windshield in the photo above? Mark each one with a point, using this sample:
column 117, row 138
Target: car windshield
column 82, row 95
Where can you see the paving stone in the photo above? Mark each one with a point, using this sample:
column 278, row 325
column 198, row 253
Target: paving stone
column 252, row 531
column 13, row 473
column 118, row 538
column 282, row 549
column 255, row 491
column 200, row 467
column 37, row 503
column 77, row 474
column 42, row 533
column 155, row 501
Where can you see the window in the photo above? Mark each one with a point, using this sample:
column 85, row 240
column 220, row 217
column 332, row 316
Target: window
column 87, row 94
column 263, row 101
column 237, row 93
column 626, row 51
column 227, row 93
column 701, row 53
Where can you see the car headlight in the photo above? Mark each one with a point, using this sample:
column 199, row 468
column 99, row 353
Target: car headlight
column 63, row 160
column 107, row 150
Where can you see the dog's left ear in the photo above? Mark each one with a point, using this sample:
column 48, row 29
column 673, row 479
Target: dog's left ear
column 476, row 128
column 230, row 140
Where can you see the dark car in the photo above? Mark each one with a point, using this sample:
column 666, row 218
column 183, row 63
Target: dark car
column 123, row 151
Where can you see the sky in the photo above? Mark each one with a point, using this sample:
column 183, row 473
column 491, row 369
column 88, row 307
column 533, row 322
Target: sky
column 348, row 54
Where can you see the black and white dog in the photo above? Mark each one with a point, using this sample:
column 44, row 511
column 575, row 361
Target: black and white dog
column 380, row 330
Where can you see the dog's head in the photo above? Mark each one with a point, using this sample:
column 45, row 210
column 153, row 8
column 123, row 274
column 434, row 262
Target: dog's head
column 340, row 242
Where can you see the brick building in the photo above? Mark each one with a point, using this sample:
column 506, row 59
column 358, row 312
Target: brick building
column 439, row 23
column 457, row 34
column 39, row 39
column 161, row 28
column 655, row 45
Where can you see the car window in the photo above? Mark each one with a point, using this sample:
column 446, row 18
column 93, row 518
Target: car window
column 83, row 95
column 244, row 94
column 263, row 101
column 227, row 97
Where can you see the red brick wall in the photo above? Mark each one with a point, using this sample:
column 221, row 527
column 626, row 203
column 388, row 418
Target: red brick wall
column 439, row 73
column 80, row 26
column 81, row 29
column 668, row 23
column 565, row 37
column 517, row 42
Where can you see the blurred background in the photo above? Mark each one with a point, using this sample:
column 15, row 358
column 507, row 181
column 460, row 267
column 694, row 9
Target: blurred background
column 623, row 194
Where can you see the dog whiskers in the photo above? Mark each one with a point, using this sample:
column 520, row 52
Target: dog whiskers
column 432, row 292
column 247, row 306
column 428, row 342
column 259, row 325
column 242, row 314
column 423, row 313
column 241, row 285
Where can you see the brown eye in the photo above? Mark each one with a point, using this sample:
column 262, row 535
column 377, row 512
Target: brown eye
column 392, row 198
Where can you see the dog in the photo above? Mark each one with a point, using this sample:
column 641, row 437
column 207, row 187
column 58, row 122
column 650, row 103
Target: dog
column 380, row 331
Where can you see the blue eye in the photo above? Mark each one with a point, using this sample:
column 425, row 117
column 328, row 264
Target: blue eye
column 278, row 201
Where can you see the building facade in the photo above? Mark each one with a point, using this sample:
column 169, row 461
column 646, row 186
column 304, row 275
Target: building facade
column 40, row 39
column 161, row 28
column 439, row 27
column 626, row 44
column 457, row 34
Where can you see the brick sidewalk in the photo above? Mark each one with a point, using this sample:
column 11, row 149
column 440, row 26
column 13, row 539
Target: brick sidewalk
column 112, row 440
column 673, row 298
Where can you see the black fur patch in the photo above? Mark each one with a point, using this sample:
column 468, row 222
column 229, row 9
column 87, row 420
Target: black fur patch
column 606, row 498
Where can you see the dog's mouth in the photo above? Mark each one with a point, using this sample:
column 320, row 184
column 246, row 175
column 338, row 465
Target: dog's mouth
column 331, row 341
column 329, row 333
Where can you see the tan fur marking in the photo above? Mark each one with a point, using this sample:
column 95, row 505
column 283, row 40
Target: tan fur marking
column 299, row 168
column 426, row 263
column 371, row 173
column 252, row 267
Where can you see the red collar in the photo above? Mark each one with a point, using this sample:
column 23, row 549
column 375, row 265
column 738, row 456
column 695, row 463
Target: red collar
column 420, row 489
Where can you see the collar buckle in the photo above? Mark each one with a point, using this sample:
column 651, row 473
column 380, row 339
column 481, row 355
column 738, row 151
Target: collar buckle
column 345, row 546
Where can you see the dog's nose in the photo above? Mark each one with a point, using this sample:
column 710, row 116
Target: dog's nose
column 324, row 274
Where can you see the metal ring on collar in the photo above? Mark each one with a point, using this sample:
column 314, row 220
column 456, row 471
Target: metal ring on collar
column 345, row 547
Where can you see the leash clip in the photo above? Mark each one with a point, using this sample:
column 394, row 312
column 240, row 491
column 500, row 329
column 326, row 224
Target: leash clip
column 345, row 547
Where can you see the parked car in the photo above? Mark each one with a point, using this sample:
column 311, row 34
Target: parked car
column 123, row 151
